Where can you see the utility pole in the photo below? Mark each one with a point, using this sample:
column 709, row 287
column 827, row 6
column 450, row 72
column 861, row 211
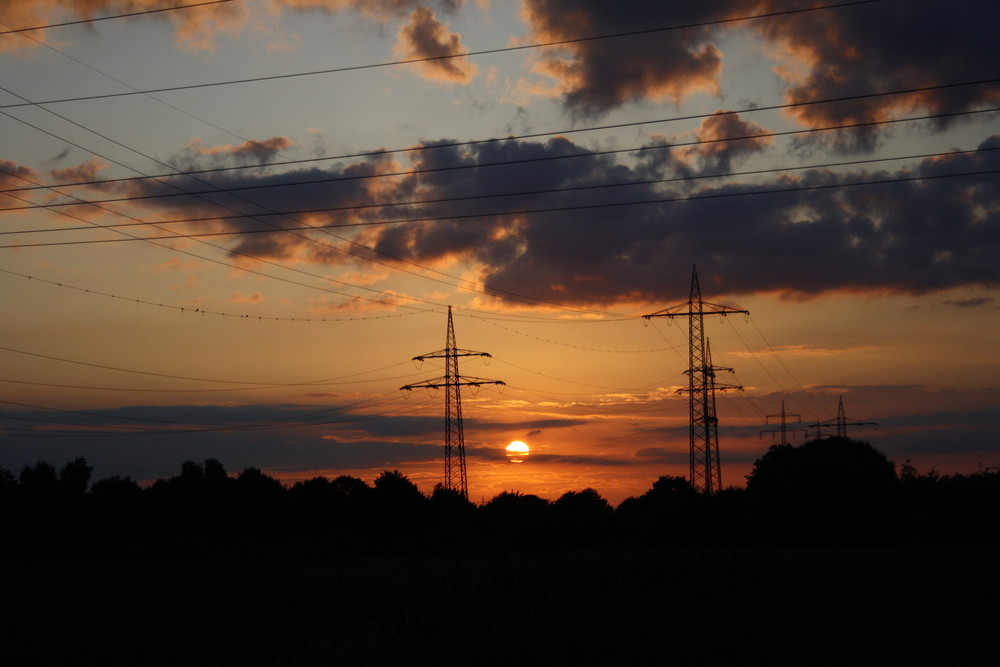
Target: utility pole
column 840, row 422
column 454, row 436
column 782, row 426
column 706, row 468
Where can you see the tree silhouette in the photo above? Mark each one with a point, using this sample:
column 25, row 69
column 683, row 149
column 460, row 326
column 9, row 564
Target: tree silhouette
column 514, row 519
column 39, row 481
column 74, row 478
column 665, row 514
column 583, row 517
column 828, row 489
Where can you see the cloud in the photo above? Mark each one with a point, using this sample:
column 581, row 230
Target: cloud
column 597, row 76
column 197, row 29
column 14, row 175
column 883, row 47
column 724, row 144
column 826, row 54
column 88, row 171
column 862, row 234
column 379, row 9
column 239, row 297
column 251, row 151
column 974, row 302
column 426, row 37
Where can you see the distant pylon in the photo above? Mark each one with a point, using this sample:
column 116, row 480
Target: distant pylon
column 454, row 433
column 840, row 422
column 703, row 428
column 782, row 426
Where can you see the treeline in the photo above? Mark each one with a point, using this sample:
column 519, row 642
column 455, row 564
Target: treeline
column 830, row 491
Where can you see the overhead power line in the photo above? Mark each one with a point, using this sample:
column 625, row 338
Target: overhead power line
column 367, row 256
column 521, row 193
column 451, row 56
column 113, row 16
column 536, row 135
column 441, row 200
column 554, row 209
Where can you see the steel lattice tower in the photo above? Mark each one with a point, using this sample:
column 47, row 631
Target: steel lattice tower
column 454, row 433
column 840, row 421
column 783, row 427
column 706, row 468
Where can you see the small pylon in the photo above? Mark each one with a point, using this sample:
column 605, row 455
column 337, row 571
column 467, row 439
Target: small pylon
column 782, row 426
column 840, row 422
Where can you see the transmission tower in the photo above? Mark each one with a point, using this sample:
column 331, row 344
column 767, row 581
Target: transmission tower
column 840, row 422
column 782, row 426
column 452, row 382
column 706, row 469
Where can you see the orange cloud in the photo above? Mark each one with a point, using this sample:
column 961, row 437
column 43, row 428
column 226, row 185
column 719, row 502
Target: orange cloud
column 88, row 171
column 12, row 175
column 239, row 297
column 196, row 27
column 426, row 37
column 254, row 149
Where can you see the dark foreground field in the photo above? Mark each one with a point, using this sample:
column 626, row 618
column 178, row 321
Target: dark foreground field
column 735, row 606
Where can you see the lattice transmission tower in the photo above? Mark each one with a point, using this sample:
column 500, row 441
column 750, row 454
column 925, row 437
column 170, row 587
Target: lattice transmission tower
column 782, row 426
column 455, row 476
column 840, row 422
column 706, row 468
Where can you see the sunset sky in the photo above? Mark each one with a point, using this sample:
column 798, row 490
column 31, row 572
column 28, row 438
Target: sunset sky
column 226, row 229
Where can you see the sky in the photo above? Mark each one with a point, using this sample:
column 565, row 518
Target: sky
column 227, row 229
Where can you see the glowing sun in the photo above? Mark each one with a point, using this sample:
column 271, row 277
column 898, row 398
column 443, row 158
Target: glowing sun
column 517, row 451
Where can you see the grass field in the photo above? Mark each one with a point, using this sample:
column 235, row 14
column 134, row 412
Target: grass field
column 735, row 606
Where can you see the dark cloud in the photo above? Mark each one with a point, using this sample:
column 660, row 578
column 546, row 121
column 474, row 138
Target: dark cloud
column 886, row 46
column 825, row 231
column 975, row 302
column 196, row 155
column 825, row 54
column 600, row 75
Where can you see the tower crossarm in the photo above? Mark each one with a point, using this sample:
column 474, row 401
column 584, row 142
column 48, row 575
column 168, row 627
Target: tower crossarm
column 444, row 354
column 442, row 382
column 689, row 308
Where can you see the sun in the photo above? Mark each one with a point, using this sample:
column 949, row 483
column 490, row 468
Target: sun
column 517, row 451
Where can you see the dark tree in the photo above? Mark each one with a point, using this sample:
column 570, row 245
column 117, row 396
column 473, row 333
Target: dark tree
column 667, row 513
column 40, row 480
column 517, row 520
column 351, row 487
column 254, row 486
column 399, row 510
column 832, row 489
column 74, row 478
column 582, row 517
column 839, row 470
column 116, row 490
column 394, row 488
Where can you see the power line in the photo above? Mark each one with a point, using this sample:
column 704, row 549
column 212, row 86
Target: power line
column 114, row 16
column 555, row 209
column 512, row 296
column 207, row 311
column 522, row 193
column 465, row 54
column 577, row 347
column 535, row 135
